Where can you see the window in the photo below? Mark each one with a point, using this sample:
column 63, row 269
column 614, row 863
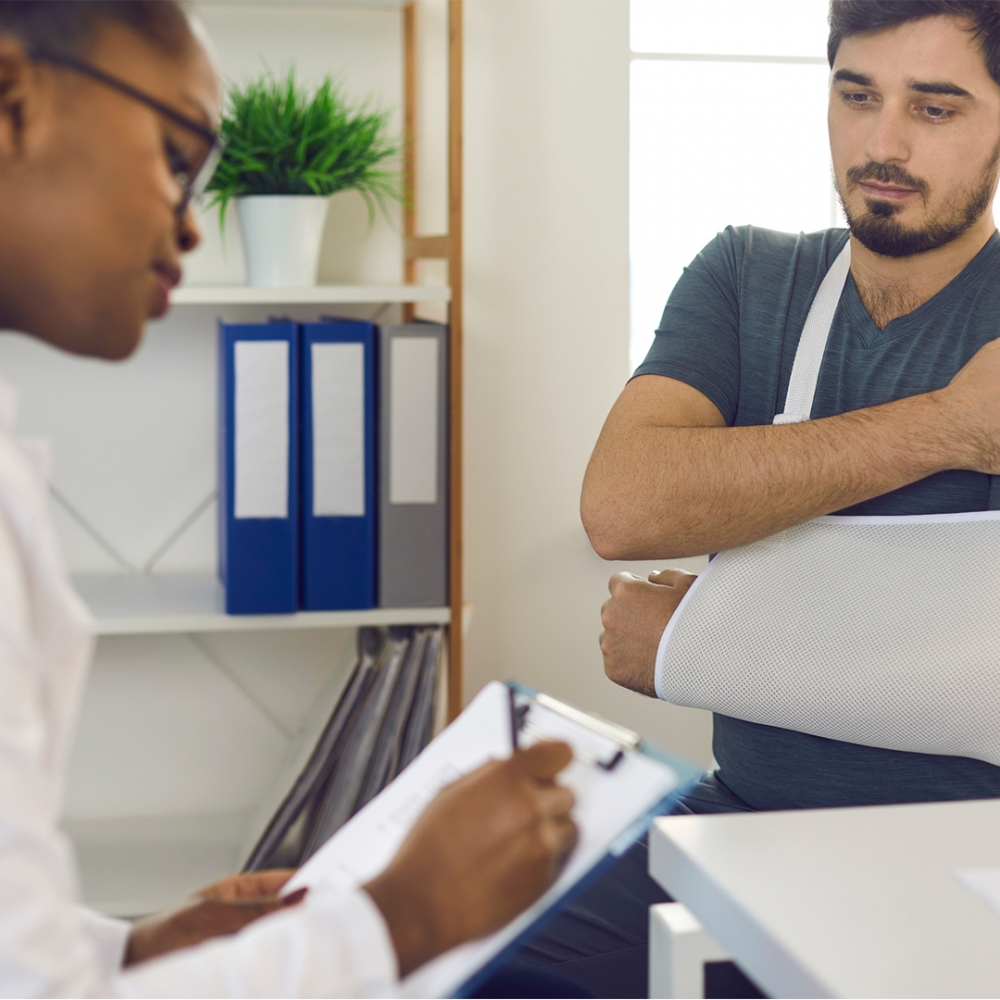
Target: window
column 728, row 127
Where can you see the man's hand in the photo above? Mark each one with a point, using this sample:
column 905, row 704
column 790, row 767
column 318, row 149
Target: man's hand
column 224, row 907
column 634, row 619
column 487, row 847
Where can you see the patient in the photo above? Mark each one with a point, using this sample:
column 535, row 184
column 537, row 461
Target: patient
column 107, row 112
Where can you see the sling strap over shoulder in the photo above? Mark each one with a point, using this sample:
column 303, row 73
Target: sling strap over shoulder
column 812, row 343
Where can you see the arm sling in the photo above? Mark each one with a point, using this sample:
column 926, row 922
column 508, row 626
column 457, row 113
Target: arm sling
column 883, row 631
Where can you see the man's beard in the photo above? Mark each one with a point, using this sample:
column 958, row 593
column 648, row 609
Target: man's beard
column 881, row 232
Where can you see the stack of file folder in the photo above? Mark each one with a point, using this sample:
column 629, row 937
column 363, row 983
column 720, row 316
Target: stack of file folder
column 333, row 466
column 383, row 719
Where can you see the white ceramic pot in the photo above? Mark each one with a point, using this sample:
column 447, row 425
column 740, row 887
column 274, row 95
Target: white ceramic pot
column 281, row 237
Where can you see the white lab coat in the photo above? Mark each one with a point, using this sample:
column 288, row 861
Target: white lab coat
column 51, row 945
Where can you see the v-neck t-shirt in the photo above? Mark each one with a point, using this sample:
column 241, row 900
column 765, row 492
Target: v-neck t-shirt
column 730, row 330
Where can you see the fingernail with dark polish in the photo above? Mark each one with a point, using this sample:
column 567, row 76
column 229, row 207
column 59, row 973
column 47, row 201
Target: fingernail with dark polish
column 295, row 897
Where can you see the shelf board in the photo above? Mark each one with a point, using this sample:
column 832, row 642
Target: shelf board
column 377, row 5
column 222, row 295
column 124, row 604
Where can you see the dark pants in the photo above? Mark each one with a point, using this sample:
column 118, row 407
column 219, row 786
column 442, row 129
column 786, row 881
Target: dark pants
column 600, row 942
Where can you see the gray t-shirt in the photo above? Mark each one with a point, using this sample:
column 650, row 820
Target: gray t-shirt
column 730, row 330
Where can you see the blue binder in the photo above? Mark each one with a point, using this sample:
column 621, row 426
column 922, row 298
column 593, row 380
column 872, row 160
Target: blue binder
column 258, row 467
column 338, row 496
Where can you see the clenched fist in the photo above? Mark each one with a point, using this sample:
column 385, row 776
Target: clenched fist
column 634, row 619
column 486, row 848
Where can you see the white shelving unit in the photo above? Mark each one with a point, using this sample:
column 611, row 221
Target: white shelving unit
column 220, row 295
column 152, row 604
column 190, row 715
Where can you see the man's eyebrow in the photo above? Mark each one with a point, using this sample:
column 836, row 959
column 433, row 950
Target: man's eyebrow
column 847, row 76
column 951, row 89
column 920, row 86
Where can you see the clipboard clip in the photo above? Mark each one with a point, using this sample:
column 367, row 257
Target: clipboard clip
column 595, row 741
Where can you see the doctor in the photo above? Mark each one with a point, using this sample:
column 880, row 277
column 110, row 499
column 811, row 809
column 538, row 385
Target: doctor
column 107, row 111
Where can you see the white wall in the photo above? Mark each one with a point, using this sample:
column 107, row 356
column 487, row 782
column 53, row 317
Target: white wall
column 547, row 320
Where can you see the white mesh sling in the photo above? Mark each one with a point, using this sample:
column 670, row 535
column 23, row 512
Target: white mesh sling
column 883, row 631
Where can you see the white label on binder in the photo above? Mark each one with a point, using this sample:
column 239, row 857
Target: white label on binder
column 261, row 437
column 413, row 420
column 338, row 405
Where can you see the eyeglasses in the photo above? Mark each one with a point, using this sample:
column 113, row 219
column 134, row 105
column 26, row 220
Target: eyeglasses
column 192, row 178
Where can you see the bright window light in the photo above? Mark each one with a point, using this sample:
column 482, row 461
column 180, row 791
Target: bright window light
column 716, row 144
column 732, row 27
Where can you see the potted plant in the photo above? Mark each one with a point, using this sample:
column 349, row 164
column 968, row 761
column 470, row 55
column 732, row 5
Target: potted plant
column 285, row 153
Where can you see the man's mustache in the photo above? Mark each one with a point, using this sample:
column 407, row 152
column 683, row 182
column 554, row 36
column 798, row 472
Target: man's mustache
column 886, row 173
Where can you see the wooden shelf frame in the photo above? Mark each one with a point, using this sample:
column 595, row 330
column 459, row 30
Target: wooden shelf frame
column 442, row 246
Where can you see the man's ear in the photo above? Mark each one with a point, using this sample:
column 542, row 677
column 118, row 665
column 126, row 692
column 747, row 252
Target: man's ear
column 16, row 85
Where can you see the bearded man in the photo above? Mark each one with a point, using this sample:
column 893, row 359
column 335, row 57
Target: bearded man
column 906, row 413
column 905, row 419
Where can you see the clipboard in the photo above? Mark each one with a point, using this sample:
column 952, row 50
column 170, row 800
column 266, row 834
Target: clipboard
column 542, row 717
column 620, row 781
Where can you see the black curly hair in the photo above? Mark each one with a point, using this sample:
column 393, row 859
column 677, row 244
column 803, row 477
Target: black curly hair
column 70, row 25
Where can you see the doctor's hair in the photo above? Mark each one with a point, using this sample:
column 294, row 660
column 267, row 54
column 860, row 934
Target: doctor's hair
column 72, row 25
column 859, row 17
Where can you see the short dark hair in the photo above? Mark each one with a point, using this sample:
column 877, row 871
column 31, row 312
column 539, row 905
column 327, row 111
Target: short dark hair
column 71, row 25
column 857, row 17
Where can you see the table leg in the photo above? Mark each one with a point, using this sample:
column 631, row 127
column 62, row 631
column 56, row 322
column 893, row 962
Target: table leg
column 679, row 947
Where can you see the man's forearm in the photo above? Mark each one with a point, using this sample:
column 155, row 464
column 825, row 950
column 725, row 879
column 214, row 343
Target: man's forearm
column 666, row 492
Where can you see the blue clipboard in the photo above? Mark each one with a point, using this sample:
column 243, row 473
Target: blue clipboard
column 611, row 743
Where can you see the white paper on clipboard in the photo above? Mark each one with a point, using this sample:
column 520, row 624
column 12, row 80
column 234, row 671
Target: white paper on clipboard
column 608, row 803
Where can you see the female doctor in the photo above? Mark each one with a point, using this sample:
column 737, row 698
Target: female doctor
column 107, row 112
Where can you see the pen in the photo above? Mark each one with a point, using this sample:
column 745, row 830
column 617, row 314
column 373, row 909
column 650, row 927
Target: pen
column 513, row 720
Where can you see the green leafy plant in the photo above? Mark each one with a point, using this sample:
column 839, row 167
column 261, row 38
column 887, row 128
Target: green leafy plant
column 281, row 140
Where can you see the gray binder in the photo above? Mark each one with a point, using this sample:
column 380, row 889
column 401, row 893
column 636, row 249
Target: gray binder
column 413, row 465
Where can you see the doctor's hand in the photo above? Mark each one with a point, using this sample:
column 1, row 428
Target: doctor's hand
column 634, row 619
column 224, row 907
column 486, row 848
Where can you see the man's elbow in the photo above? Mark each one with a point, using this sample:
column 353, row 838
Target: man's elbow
column 607, row 546
column 616, row 534
column 609, row 537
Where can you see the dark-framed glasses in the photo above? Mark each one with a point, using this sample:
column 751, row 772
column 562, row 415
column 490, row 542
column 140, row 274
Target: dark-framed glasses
column 193, row 177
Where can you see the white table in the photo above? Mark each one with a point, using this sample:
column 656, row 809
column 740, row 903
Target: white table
column 859, row 902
